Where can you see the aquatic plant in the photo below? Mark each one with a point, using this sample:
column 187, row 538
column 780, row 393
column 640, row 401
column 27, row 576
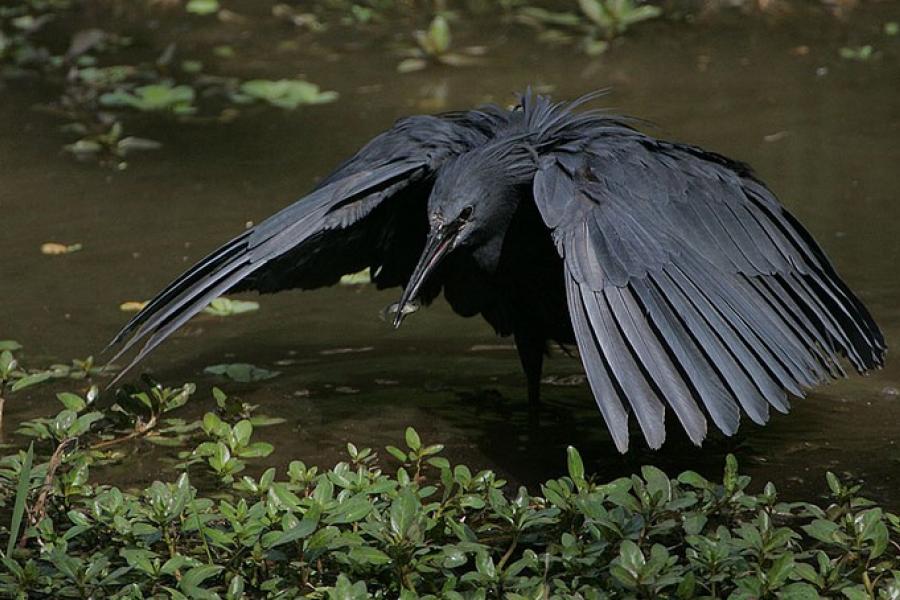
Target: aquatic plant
column 860, row 53
column 595, row 24
column 202, row 7
column 163, row 96
column 614, row 17
column 433, row 47
column 411, row 525
column 284, row 93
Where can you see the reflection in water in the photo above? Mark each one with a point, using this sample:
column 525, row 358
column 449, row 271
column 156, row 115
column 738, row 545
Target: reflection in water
column 798, row 119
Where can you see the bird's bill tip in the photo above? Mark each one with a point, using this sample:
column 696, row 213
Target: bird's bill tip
column 437, row 247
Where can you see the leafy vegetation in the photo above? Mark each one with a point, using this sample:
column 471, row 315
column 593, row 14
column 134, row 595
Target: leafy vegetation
column 407, row 524
column 103, row 78
column 433, row 46
column 595, row 24
column 285, row 93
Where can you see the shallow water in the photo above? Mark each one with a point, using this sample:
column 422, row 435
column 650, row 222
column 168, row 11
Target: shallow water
column 820, row 130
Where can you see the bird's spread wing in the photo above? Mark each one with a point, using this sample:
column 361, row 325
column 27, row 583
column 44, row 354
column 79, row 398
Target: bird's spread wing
column 689, row 285
column 358, row 204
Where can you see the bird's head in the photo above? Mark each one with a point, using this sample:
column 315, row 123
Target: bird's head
column 471, row 205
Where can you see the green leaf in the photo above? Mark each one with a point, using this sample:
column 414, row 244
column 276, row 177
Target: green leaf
column 778, row 573
column 412, row 439
column 396, row 453
column 225, row 307
column 439, row 35
column 7, row 364
column 798, row 591
column 595, row 11
column 857, row 592
column 202, row 7
column 139, row 558
column 687, row 587
column 242, row 431
column 658, row 484
column 10, row 345
column 257, row 450
column 72, row 401
column 484, row 564
column 693, row 479
column 303, row 529
column 350, row 511
column 410, row 65
column 576, row 466
column 83, row 423
column 403, row 511
column 286, row 93
column 193, row 578
column 363, row 277
column 368, row 555
column 822, row 530
column 30, row 380
column 22, row 488
column 241, row 372
column 730, row 480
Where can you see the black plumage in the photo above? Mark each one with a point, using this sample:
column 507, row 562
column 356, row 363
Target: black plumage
column 684, row 282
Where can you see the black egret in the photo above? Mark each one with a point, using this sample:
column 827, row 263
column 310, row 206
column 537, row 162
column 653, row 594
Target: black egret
column 687, row 287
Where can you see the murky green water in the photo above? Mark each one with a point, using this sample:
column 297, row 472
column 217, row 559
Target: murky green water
column 820, row 130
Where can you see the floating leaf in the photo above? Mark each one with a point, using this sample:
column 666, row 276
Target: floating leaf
column 225, row 307
column 360, row 278
column 202, row 7
column 153, row 97
column 860, row 53
column 224, row 51
column 242, row 372
column 411, row 64
column 286, row 93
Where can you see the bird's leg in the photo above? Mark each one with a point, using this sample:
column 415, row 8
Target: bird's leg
column 531, row 354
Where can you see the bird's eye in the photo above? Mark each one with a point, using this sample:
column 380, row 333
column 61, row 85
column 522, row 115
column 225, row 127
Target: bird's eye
column 465, row 213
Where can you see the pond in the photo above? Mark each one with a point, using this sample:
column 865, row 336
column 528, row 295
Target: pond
column 819, row 129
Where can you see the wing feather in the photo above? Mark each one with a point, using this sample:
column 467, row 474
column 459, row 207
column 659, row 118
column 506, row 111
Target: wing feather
column 596, row 369
column 655, row 361
column 695, row 284
column 278, row 252
column 685, row 351
column 641, row 396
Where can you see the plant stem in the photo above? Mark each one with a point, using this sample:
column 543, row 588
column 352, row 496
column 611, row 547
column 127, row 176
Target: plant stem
column 508, row 553
column 140, row 430
column 40, row 505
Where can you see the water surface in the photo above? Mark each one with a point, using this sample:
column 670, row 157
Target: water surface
column 821, row 131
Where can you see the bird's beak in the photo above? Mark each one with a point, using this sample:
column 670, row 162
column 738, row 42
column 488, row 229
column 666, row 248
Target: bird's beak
column 439, row 244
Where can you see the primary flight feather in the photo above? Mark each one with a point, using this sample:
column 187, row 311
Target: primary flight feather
column 687, row 287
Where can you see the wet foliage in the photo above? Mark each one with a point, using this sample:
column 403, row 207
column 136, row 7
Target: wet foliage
column 406, row 524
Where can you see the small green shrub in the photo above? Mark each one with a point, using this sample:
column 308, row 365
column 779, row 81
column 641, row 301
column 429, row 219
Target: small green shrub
column 413, row 525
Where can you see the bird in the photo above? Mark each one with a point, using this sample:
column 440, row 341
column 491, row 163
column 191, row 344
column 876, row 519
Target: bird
column 685, row 285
